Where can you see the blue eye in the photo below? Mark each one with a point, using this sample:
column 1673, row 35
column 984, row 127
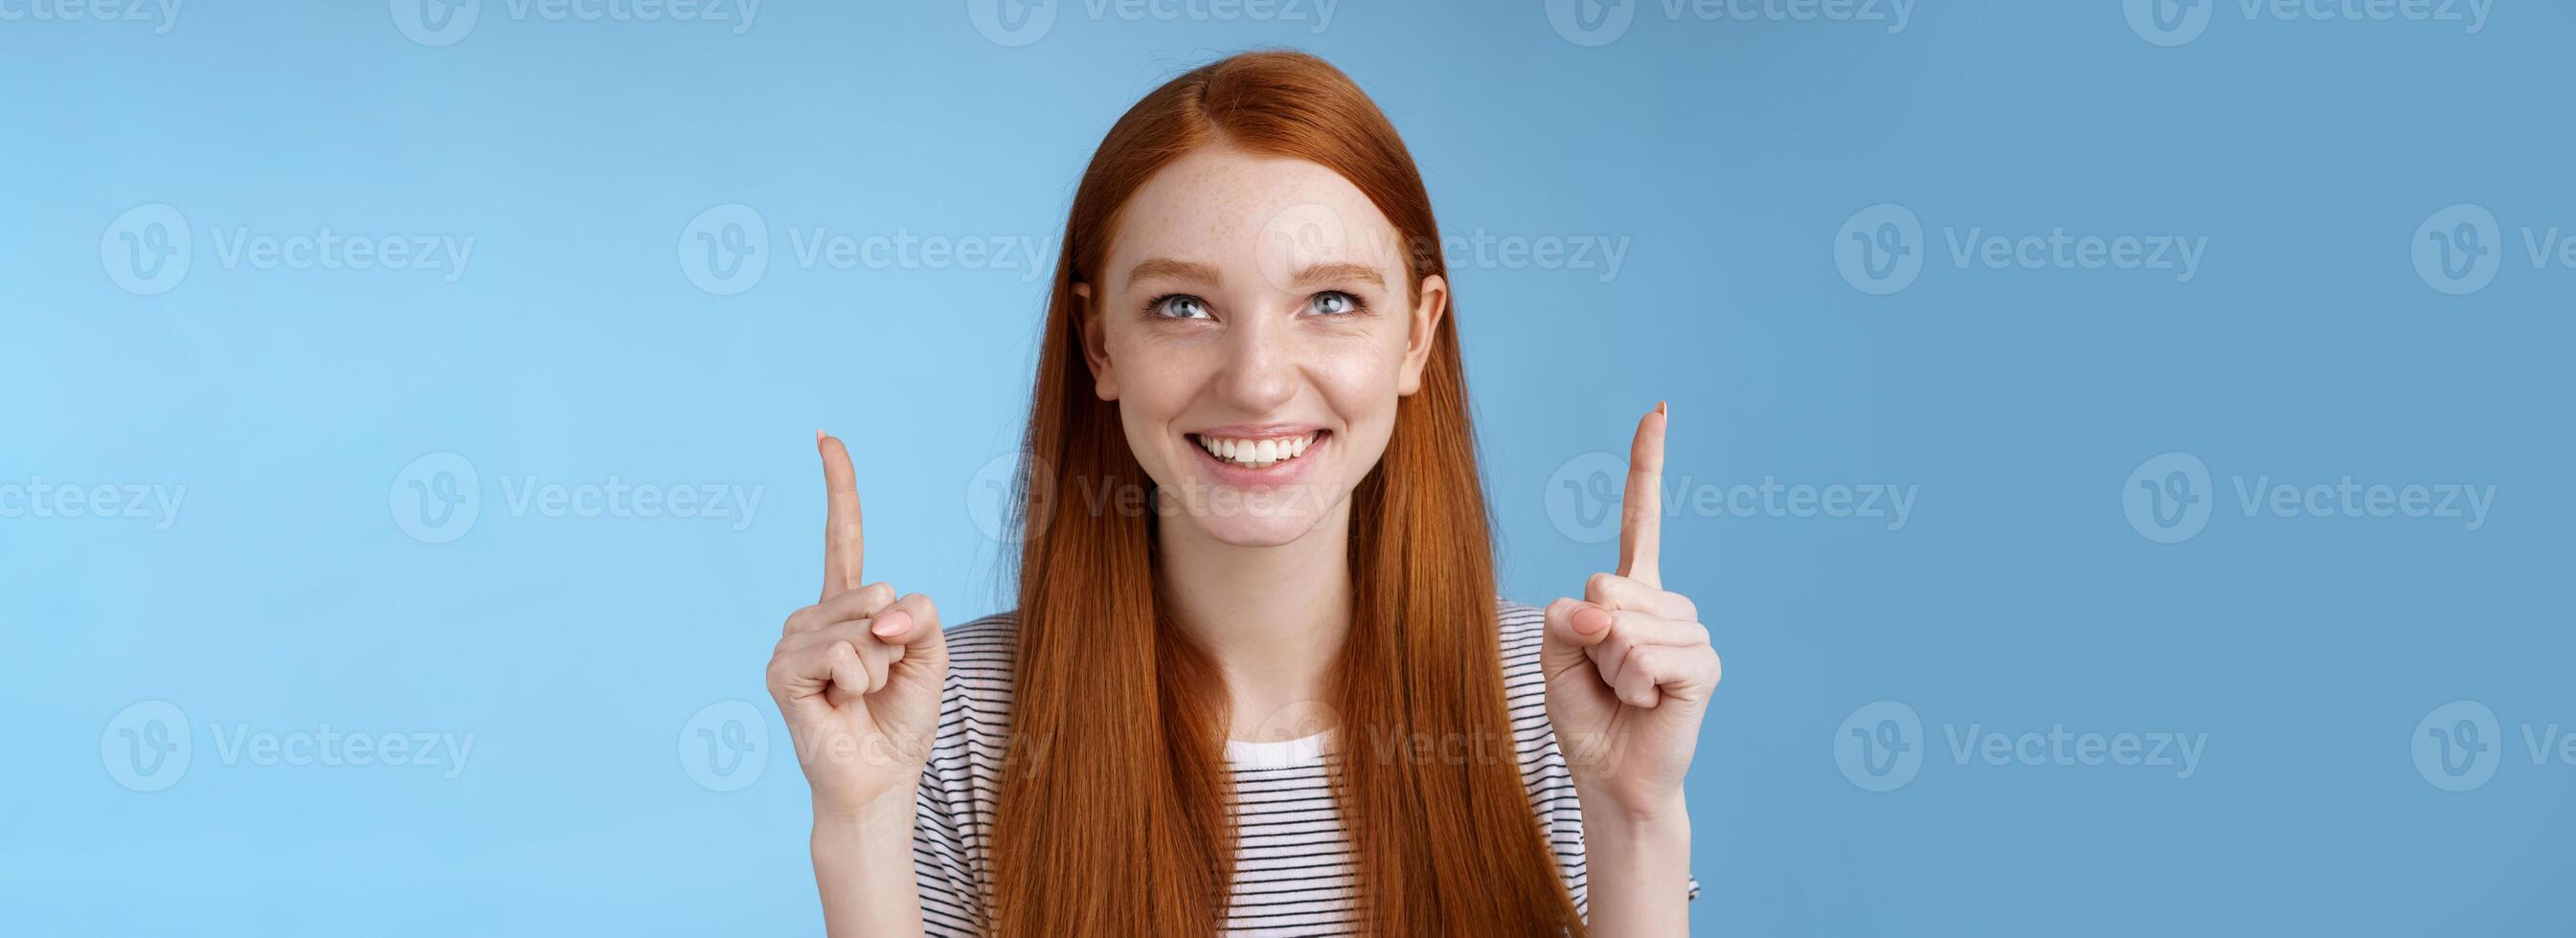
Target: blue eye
column 1178, row 306
column 1334, row 303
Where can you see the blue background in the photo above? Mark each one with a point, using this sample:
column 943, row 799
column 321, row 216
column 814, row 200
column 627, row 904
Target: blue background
column 285, row 593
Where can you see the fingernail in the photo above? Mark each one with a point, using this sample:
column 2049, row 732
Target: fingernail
column 1597, row 617
column 1659, row 407
column 887, row 626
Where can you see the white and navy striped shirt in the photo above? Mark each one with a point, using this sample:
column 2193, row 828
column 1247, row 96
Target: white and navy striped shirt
column 1291, row 869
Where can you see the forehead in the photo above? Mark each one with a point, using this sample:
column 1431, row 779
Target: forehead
column 1241, row 211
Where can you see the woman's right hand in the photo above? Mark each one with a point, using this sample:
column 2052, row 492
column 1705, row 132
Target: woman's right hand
column 858, row 674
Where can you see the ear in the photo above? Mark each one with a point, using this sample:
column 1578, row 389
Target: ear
column 1095, row 343
column 1425, row 328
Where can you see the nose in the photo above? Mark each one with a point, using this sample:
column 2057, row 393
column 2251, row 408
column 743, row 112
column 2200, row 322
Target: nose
column 1260, row 365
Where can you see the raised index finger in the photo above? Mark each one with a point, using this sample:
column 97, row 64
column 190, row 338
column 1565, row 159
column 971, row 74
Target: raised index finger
column 842, row 545
column 1641, row 507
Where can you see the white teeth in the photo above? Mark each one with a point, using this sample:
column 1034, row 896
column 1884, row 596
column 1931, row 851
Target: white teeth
column 1257, row 453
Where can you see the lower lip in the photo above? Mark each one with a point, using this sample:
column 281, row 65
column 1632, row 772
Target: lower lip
column 1275, row 474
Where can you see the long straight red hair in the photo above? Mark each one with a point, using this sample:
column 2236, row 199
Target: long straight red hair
column 1118, row 824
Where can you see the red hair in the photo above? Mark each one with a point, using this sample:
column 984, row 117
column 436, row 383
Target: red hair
column 1124, row 830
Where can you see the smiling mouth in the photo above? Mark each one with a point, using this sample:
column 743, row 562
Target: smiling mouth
column 1261, row 453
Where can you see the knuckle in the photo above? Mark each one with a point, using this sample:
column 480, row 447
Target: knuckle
column 1600, row 584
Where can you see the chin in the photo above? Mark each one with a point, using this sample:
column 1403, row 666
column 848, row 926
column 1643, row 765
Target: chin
column 1242, row 527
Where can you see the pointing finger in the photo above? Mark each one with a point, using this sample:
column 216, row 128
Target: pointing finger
column 842, row 544
column 1641, row 507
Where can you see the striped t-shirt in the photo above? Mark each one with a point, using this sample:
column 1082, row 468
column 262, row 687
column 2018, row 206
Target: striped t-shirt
column 1291, row 870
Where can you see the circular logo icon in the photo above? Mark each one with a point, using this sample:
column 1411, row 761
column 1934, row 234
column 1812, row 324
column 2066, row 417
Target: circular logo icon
column 1297, row 720
column 436, row 23
column 2167, row 498
column 725, row 249
column 1879, row 747
column 2168, row 22
column 1879, row 250
column 1591, row 22
column 1583, row 497
column 1299, row 237
column 725, row 746
column 146, row 250
column 2457, row 250
column 1012, row 23
column 989, row 497
column 146, row 747
column 436, row 498
column 2458, row 746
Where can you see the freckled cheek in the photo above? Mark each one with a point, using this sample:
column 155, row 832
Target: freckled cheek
column 1359, row 382
column 1160, row 378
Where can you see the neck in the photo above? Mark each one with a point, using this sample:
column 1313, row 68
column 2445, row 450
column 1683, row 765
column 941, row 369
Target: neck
column 1272, row 618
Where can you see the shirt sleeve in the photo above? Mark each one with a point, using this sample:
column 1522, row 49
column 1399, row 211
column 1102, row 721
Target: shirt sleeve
column 950, row 903
column 945, row 830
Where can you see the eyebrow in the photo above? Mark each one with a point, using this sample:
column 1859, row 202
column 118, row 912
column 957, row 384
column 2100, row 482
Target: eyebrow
column 1338, row 272
column 1314, row 274
column 1168, row 269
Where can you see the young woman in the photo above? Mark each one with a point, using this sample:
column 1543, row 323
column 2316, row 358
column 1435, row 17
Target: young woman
column 1258, row 680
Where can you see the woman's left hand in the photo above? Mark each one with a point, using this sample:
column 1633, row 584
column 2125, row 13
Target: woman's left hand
column 1629, row 668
